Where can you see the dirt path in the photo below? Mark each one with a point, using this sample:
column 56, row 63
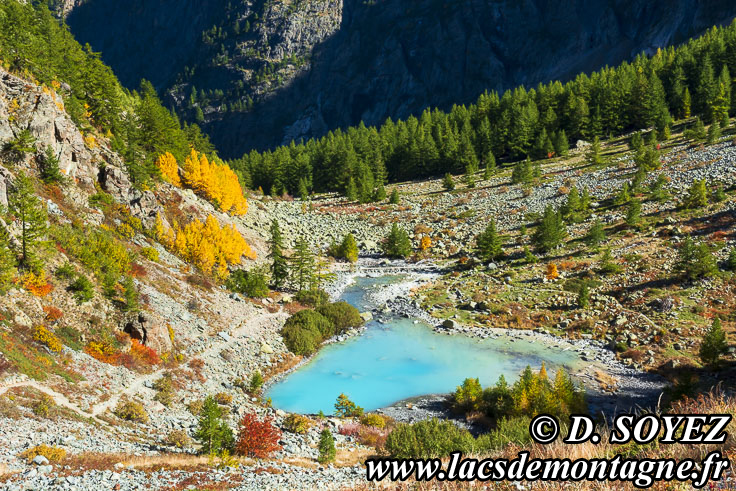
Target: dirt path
column 247, row 328
column 58, row 398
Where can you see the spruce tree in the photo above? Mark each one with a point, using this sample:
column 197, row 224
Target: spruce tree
column 29, row 212
column 550, row 232
column 279, row 263
column 397, row 243
column 302, row 265
column 489, row 244
column 714, row 344
column 327, row 451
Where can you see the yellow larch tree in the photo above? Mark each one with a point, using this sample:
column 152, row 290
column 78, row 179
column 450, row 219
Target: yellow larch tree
column 208, row 246
column 169, row 168
column 216, row 181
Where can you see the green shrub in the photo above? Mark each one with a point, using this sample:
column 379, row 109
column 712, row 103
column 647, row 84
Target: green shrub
column 83, row 289
column 70, row 337
column 296, row 423
column 342, row 315
column 428, row 439
column 252, row 283
column 304, row 331
column 313, row 298
column 397, row 243
column 255, row 383
column 65, row 272
column 510, row 430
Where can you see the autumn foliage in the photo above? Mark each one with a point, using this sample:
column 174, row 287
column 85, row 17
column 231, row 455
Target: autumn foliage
column 425, row 243
column 257, row 438
column 208, row 246
column 216, row 182
column 169, row 168
column 37, row 285
column 552, row 272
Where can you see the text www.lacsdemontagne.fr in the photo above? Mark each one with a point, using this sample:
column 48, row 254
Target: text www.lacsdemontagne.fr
column 641, row 473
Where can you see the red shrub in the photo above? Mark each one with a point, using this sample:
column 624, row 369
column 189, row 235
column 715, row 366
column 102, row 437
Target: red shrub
column 257, row 438
column 52, row 314
column 143, row 354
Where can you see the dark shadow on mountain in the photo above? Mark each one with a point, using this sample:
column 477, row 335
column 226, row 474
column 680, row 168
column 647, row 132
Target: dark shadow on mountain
column 392, row 58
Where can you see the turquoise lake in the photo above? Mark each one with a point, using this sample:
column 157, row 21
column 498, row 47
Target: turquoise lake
column 400, row 359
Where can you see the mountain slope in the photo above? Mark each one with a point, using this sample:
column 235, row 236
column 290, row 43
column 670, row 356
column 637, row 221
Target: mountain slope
column 274, row 71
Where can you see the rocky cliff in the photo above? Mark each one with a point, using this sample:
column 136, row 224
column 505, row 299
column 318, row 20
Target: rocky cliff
column 260, row 73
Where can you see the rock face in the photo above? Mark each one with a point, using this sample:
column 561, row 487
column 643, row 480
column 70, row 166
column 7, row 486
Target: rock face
column 277, row 71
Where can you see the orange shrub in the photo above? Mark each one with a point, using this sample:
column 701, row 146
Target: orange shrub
column 144, row 354
column 37, row 285
column 102, row 351
column 52, row 313
column 552, row 271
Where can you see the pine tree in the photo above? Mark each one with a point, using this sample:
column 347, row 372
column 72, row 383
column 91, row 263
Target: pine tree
column 584, row 295
column 448, row 183
column 49, row 168
column 714, row 132
column 731, row 261
column 279, row 263
column 633, row 213
column 397, row 243
column 623, row 195
column 380, row 193
column 351, row 192
column 212, row 432
column 657, row 191
column 29, row 212
column 302, row 265
column 394, row 199
column 697, row 195
column 489, row 244
column 594, row 152
column 303, row 191
column 573, row 207
column 327, row 450
column 714, row 344
column 490, row 167
column 551, row 231
column 561, row 145
column 596, row 235
column 348, row 249
column 695, row 260
column 7, row 262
